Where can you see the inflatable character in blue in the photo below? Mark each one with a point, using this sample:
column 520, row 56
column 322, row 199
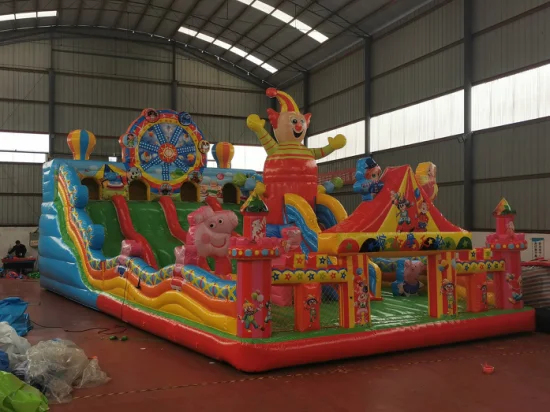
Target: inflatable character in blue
column 367, row 178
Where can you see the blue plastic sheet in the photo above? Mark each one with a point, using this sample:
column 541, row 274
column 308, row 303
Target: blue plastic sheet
column 12, row 310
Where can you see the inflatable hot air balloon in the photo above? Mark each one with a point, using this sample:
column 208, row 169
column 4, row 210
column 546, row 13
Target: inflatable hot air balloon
column 223, row 153
column 82, row 143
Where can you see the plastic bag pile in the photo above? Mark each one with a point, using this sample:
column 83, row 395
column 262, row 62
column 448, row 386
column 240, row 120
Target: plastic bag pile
column 53, row 367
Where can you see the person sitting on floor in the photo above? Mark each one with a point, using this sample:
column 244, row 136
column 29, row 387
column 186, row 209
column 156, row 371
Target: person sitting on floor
column 19, row 250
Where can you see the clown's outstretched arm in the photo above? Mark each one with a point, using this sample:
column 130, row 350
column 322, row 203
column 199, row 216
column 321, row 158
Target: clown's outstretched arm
column 334, row 143
column 256, row 124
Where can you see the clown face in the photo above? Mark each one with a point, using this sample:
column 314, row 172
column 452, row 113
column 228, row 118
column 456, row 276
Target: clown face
column 291, row 127
column 424, row 208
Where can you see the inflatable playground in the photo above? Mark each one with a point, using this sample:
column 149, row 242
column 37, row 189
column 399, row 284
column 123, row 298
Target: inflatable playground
column 264, row 271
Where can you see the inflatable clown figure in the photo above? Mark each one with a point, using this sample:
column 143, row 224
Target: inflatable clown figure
column 290, row 166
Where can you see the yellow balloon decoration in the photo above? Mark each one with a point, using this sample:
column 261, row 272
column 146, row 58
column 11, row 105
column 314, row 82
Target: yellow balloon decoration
column 82, row 143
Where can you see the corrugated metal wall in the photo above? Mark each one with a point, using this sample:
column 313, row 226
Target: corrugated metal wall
column 337, row 93
column 102, row 85
column 424, row 58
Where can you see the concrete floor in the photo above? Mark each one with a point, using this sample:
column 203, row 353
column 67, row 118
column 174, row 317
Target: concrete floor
column 151, row 374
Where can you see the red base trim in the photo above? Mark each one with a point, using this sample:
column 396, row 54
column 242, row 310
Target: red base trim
column 258, row 357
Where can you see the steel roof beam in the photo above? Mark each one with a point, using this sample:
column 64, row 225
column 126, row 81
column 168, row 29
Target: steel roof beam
column 185, row 16
column 143, row 13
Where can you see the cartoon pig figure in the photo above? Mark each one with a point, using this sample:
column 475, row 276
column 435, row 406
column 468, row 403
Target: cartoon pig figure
column 411, row 285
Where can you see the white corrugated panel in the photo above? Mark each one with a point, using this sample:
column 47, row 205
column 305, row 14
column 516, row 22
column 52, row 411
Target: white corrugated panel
column 24, row 117
column 23, row 85
column 522, row 43
column 355, row 144
column 222, row 102
column 344, row 108
column 426, row 78
column 101, row 122
column 490, row 12
column 34, row 55
column 111, row 92
column 341, row 75
column 429, row 120
column 512, row 151
column 516, row 98
column 437, row 29
column 194, row 72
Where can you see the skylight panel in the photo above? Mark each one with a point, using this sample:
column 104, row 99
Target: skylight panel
column 320, row 37
column 281, row 15
column 300, row 25
column 260, row 5
column 7, row 17
column 269, row 68
column 48, row 13
column 26, row 15
column 205, row 37
column 238, row 52
column 188, row 31
column 222, row 44
column 254, row 59
column 247, row 2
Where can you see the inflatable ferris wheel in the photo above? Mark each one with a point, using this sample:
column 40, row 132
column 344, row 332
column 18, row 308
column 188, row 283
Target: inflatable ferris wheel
column 163, row 147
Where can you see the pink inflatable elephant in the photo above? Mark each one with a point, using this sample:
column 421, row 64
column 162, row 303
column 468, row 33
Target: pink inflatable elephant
column 208, row 236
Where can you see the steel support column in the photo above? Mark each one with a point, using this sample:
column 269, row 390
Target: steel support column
column 367, row 73
column 174, row 85
column 468, row 142
column 305, row 107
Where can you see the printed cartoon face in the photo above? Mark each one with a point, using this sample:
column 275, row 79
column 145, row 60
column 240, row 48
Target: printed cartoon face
column 424, row 208
column 402, row 206
column 311, row 301
column 204, row 146
column 165, row 189
column 362, row 298
column 374, row 173
column 212, row 230
column 291, row 127
column 248, row 308
column 129, row 140
column 449, row 288
column 133, row 174
column 151, row 115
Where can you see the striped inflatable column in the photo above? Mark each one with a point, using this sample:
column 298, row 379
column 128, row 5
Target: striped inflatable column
column 356, row 307
column 441, row 285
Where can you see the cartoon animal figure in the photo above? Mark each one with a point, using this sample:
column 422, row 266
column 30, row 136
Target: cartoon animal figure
column 448, row 289
column 132, row 174
column 288, row 160
column 411, row 242
column 403, row 214
column 258, row 226
column 411, row 274
column 423, row 218
column 268, row 307
column 292, row 239
column 516, row 286
column 208, row 236
column 367, row 178
column 130, row 140
column 248, row 317
column 311, row 305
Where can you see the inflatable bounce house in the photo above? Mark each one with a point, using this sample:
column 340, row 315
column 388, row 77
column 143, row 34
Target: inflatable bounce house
column 268, row 271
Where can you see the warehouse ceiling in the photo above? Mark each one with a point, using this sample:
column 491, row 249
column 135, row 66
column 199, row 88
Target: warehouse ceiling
column 271, row 40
